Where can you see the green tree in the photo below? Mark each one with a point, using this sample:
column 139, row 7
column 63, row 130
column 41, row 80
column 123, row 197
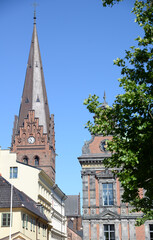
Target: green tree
column 130, row 119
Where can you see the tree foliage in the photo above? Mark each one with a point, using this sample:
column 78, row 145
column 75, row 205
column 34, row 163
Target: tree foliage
column 130, row 119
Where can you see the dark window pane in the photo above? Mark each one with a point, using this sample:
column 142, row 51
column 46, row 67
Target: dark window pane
column 105, row 227
column 112, row 235
column 11, row 172
column 15, row 172
column 4, row 219
column 8, row 222
column 151, row 227
column 112, row 227
column 25, row 160
column 106, row 236
column 36, row 161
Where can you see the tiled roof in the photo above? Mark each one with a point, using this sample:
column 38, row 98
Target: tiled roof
column 72, row 205
column 20, row 199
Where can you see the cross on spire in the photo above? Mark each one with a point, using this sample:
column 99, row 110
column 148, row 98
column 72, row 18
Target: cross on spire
column 35, row 5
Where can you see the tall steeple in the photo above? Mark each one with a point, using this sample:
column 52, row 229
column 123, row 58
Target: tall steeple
column 34, row 95
column 34, row 108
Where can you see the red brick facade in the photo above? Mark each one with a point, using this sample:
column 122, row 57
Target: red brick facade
column 97, row 215
column 37, row 153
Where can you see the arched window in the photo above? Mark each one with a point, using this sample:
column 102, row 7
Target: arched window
column 25, row 160
column 36, row 158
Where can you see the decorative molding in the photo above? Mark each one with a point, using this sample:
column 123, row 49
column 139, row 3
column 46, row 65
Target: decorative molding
column 85, row 148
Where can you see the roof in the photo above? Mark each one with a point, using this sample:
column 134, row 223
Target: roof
column 20, row 199
column 34, row 95
column 72, row 205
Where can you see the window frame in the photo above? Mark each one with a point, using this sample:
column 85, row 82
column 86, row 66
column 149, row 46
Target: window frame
column 26, row 221
column 23, row 220
column 150, row 231
column 8, row 219
column 31, row 222
column 44, row 230
column 109, row 231
column 13, row 172
column 39, row 227
column 109, row 192
column 34, row 224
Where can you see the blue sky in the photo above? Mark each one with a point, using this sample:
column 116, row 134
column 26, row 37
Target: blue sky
column 78, row 42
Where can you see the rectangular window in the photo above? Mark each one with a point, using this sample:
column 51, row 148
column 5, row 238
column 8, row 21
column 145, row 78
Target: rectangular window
column 151, row 231
column 31, row 225
column 34, row 223
column 26, row 221
column 109, row 232
column 5, row 219
column 39, row 227
column 13, row 172
column 44, row 230
column 108, row 194
column 23, row 220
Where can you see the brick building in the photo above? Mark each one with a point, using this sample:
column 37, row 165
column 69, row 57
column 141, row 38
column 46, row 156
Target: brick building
column 105, row 216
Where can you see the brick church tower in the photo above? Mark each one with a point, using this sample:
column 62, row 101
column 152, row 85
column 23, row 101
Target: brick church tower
column 33, row 137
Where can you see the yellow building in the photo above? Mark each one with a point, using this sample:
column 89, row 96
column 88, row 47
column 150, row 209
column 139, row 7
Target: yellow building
column 35, row 183
column 26, row 220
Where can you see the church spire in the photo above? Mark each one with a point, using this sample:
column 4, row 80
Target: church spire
column 34, row 95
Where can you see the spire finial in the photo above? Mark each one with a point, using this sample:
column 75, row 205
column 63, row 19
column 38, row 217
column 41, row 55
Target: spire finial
column 104, row 97
column 35, row 5
column 104, row 104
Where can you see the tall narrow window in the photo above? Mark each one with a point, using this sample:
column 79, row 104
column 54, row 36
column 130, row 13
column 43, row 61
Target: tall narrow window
column 34, row 224
column 5, row 219
column 13, row 172
column 108, row 194
column 25, row 160
column 23, row 220
column 26, row 221
column 31, row 224
column 151, row 231
column 109, row 232
column 39, row 227
column 36, row 161
column 44, row 230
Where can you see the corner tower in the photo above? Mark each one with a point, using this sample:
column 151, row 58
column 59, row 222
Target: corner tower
column 33, row 136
